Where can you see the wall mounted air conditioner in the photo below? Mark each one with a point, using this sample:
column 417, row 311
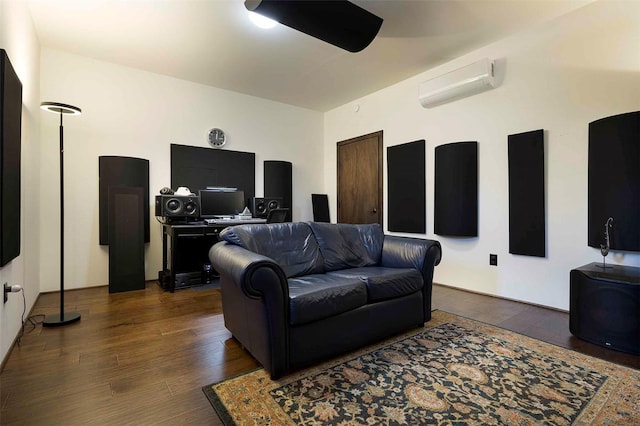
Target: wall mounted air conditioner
column 465, row 81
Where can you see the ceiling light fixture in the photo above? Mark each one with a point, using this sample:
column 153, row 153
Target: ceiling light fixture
column 338, row 22
column 261, row 21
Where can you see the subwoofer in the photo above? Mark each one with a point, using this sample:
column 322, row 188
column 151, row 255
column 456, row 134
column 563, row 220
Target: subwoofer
column 177, row 206
column 604, row 306
column 260, row 207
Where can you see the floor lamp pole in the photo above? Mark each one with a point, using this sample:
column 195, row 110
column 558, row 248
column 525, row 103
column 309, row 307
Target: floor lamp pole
column 69, row 317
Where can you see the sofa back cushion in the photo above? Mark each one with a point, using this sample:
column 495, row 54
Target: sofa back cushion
column 292, row 245
column 348, row 246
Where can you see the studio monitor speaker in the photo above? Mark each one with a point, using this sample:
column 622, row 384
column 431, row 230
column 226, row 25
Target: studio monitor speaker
column 260, row 207
column 604, row 306
column 177, row 206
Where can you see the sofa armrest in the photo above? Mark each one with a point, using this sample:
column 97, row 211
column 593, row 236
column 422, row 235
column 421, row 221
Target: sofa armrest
column 255, row 303
column 241, row 266
column 421, row 254
column 405, row 252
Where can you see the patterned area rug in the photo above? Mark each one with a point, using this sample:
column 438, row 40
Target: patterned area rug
column 453, row 371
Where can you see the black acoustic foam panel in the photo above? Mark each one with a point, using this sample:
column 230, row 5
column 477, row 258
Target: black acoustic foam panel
column 456, row 190
column 406, row 188
column 320, row 205
column 122, row 172
column 614, row 181
column 526, row 194
column 196, row 168
column 10, row 148
column 278, row 183
column 126, row 238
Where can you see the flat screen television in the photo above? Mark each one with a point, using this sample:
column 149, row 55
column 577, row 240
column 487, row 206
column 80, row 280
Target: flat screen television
column 217, row 204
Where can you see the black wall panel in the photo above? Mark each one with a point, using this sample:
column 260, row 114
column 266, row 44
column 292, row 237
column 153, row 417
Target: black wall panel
column 614, row 181
column 126, row 238
column 121, row 172
column 456, row 189
column 10, row 148
column 406, row 188
column 320, row 205
column 526, row 194
column 278, row 183
column 196, row 168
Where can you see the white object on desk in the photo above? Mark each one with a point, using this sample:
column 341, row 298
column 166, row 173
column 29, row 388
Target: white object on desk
column 183, row 190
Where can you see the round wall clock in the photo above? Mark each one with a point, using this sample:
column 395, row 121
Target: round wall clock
column 217, row 138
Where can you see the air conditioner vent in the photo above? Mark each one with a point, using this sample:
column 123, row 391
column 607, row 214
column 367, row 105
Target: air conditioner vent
column 469, row 80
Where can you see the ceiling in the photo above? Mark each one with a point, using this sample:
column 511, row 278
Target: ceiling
column 214, row 43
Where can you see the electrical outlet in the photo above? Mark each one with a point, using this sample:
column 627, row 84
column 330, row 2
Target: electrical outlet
column 10, row 289
column 493, row 259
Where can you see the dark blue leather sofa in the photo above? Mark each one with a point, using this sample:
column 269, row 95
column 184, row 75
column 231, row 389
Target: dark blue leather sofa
column 296, row 293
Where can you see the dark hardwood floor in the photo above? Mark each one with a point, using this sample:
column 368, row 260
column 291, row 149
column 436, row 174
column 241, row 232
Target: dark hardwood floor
column 141, row 357
column 548, row 325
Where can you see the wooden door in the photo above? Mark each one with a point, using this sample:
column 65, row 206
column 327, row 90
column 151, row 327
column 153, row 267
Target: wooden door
column 360, row 179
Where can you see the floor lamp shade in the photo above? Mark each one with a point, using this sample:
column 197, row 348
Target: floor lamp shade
column 63, row 318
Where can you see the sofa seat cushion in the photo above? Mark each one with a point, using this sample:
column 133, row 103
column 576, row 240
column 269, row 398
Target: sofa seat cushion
column 314, row 297
column 384, row 283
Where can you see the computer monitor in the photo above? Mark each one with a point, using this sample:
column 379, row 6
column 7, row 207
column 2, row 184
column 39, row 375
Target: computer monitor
column 215, row 204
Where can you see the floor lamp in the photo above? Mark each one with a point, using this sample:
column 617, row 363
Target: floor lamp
column 69, row 317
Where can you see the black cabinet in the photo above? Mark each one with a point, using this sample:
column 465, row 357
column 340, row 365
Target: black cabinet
column 185, row 252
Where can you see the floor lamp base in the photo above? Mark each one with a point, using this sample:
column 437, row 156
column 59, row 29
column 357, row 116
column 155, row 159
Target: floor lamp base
column 55, row 320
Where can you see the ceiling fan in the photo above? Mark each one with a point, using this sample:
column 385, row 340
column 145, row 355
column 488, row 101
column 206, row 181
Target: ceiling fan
column 338, row 22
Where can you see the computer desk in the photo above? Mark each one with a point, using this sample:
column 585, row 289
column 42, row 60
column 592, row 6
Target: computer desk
column 185, row 251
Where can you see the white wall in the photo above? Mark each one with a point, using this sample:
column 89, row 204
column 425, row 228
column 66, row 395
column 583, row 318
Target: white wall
column 127, row 112
column 559, row 77
column 18, row 38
